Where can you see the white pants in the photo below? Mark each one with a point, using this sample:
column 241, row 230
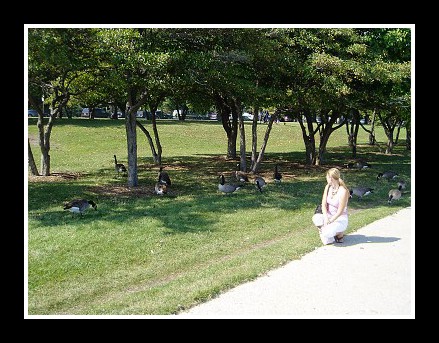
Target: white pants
column 327, row 232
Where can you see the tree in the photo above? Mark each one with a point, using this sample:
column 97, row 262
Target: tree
column 389, row 78
column 57, row 60
column 219, row 66
column 141, row 63
column 336, row 73
column 313, row 79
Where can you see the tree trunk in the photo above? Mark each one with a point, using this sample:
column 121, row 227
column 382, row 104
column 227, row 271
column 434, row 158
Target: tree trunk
column 242, row 147
column 149, row 138
column 354, row 136
column 230, row 127
column 255, row 167
column 326, row 133
column 44, row 141
column 232, row 137
column 389, row 146
column 319, row 160
column 158, row 157
column 226, row 108
column 408, row 140
column 130, row 127
column 31, row 161
column 45, row 163
column 353, row 132
column 308, row 138
column 389, row 127
column 254, row 136
column 43, row 137
column 57, row 105
column 372, row 130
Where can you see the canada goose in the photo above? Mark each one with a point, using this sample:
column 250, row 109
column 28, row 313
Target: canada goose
column 360, row 191
column 79, row 205
column 227, row 188
column 358, row 165
column 277, row 176
column 389, row 175
column 394, row 194
column 362, row 165
column 164, row 177
column 240, row 175
column 160, row 188
column 402, row 184
column 119, row 167
column 260, row 183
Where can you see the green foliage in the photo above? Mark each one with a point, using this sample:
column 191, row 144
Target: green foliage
column 156, row 255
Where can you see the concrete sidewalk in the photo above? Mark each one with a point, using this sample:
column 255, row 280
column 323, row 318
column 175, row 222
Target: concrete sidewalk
column 370, row 275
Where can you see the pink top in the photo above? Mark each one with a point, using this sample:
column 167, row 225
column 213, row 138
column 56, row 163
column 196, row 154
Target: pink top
column 333, row 205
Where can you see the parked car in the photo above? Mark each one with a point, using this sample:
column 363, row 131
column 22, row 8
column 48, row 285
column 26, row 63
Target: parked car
column 98, row 113
column 285, row 118
column 32, row 113
column 247, row 116
column 362, row 121
column 212, row 116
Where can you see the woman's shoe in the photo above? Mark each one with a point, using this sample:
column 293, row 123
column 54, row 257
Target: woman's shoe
column 338, row 239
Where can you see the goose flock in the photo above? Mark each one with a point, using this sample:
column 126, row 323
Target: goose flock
column 241, row 178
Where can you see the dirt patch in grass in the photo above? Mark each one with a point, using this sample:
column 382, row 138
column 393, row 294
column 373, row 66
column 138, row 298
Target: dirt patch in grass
column 105, row 190
column 122, row 191
column 54, row 177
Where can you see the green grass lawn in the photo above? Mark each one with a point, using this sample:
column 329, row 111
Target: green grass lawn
column 144, row 254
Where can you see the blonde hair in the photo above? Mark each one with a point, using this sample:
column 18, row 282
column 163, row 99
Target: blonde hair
column 335, row 174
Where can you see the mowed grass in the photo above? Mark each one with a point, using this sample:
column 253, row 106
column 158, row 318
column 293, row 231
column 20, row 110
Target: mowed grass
column 143, row 254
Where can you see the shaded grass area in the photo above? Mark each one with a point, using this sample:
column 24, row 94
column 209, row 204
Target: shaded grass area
column 149, row 255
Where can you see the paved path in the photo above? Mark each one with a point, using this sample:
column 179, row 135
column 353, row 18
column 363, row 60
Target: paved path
column 370, row 275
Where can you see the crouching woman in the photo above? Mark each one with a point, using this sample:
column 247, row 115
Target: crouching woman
column 333, row 221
